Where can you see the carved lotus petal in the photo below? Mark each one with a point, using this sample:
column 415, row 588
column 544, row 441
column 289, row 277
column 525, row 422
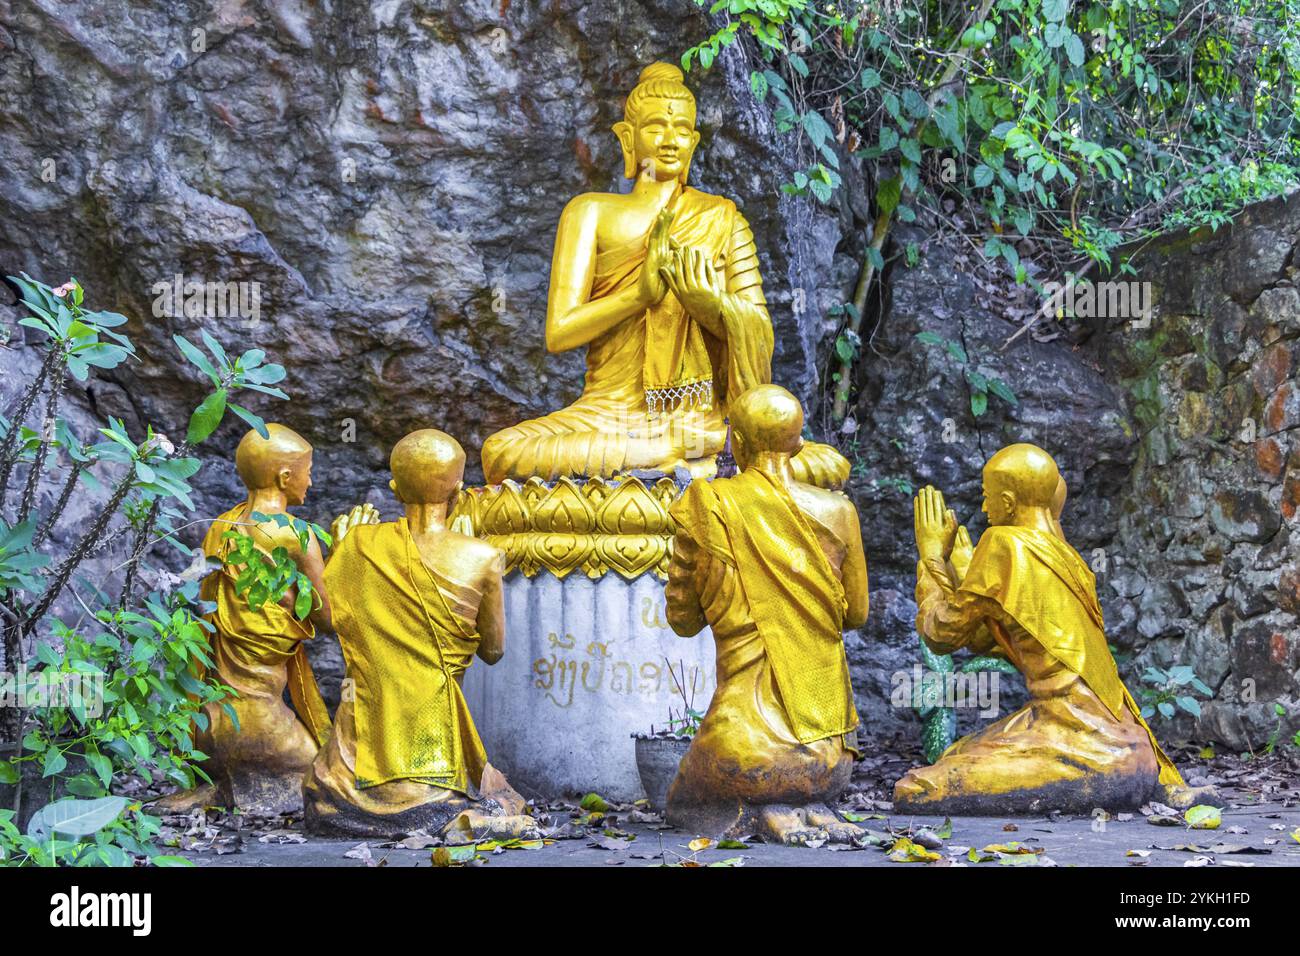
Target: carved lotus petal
column 533, row 491
column 560, row 553
column 564, row 510
column 631, row 555
column 632, row 509
column 505, row 512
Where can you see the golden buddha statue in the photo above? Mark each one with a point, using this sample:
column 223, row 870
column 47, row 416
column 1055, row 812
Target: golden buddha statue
column 775, row 567
column 1024, row 594
column 413, row 603
column 257, row 762
column 662, row 287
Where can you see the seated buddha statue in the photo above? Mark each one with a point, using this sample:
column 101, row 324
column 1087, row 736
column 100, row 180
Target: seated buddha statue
column 413, row 603
column 775, row 568
column 259, row 755
column 662, row 287
column 1024, row 594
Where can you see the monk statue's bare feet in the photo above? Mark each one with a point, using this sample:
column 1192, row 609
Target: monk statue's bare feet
column 183, row 801
column 472, row 826
column 789, row 826
column 822, row 816
column 1180, row 798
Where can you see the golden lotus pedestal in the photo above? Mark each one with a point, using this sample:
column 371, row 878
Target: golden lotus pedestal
column 589, row 657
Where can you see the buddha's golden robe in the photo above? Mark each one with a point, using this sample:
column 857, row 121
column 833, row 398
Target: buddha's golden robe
column 1080, row 743
column 258, row 653
column 611, row 427
column 404, row 747
column 766, row 577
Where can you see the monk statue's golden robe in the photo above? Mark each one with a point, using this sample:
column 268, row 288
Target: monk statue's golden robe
column 404, row 748
column 1080, row 743
column 658, row 384
column 781, row 729
column 258, row 765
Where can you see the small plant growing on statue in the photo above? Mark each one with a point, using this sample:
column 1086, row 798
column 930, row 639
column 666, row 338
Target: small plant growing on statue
column 263, row 576
column 1165, row 692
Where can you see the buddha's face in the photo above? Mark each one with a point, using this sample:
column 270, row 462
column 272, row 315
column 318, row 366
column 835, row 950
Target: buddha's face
column 661, row 138
column 296, row 480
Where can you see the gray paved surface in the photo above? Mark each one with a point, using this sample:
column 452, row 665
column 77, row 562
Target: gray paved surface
column 1067, row 842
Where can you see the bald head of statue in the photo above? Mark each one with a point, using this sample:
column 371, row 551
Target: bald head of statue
column 281, row 461
column 428, row 466
column 1018, row 480
column 765, row 419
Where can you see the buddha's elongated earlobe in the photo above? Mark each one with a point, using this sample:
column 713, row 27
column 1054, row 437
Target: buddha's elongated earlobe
column 686, row 167
column 626, row 139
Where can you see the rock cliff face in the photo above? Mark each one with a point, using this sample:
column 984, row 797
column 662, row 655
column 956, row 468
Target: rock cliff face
column 1178, row 440
column 386, row 179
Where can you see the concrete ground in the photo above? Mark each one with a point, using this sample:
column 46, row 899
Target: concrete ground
column 1265, row 833
column 1259, row 798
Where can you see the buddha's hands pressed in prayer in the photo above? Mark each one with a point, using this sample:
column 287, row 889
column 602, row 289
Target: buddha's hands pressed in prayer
column 935, row 525
column 652, row 287
column 361, row 514
column 695, row 283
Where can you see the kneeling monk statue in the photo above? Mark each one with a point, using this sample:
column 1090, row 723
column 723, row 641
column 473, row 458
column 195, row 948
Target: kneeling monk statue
column 413, row 602
column 662, row 287
column 258, row 762
column 1024, row 594
column 775, row 567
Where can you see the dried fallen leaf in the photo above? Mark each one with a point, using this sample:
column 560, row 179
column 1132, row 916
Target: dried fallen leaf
column 1012, row 848
column 698, row 844
column 454, row 855
column 906, row 851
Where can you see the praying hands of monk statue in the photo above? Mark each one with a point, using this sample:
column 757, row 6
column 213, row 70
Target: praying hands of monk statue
column 414, row 602
column 662, row 287
column 1080, row 743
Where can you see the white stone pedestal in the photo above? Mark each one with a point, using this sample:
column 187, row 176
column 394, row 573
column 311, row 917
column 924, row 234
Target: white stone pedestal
column 586, row 665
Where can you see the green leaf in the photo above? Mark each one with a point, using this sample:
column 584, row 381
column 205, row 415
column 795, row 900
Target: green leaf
column 75, row 818
column 594, row 803
column 1055, row 10
column 1203, row 817
column 255, row 421
column 207, row 417
column 197, row 358
column 1074, row 49
column 979, row 403
column 888, row 194
column 102, row 766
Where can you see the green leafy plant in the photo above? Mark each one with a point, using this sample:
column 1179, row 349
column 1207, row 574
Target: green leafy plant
column 981, row 385
column 939, row 721
column 263, row 576
column 1165, row 692
column 1080, row 126
column 134, row 656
